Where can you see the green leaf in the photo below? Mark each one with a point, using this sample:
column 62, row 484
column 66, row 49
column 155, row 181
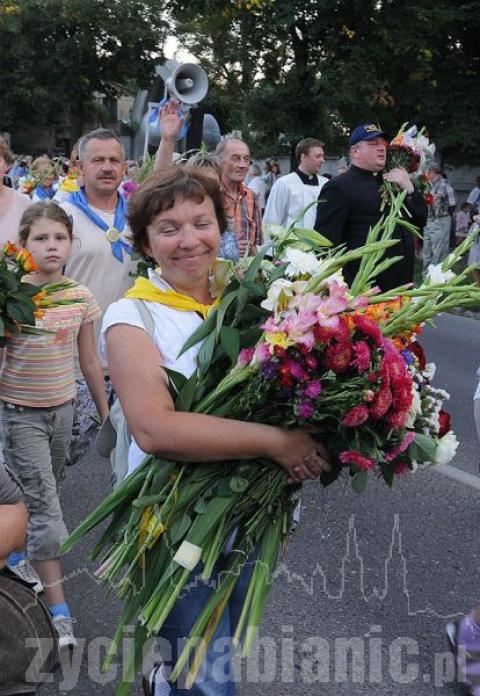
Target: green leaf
column 20, row 312
column 426, row 448
column 202, row 332
column 29, row 289
column 255, row 289
column 200, row 506
column 255, row 265
column 223, row 488
column 179, row 528
column 175, row 379
column 359, row 482
column 238, row 484
column 388, row 473
column 224, row 305
column 242, row 299
column 185, row 398
column 311, row 237
column 206, row 352
column 230, row 340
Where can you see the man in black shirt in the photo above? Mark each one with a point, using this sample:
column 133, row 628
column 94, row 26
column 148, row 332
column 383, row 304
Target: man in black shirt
column 349, row 205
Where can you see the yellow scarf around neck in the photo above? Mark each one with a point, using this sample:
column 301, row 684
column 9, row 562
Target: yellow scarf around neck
column 143, row 289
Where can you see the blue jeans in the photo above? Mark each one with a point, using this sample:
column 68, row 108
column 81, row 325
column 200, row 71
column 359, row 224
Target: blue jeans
column 215, row 677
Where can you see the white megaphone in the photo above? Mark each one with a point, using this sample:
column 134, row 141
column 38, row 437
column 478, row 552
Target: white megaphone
column 188, row 83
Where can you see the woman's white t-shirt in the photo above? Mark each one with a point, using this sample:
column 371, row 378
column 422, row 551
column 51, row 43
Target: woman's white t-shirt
column 172, row 329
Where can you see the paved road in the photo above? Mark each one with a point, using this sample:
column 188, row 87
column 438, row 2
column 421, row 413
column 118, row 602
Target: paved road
column 373, row 577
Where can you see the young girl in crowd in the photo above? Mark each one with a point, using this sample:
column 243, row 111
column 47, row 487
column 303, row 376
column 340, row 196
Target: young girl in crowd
column 37, row 388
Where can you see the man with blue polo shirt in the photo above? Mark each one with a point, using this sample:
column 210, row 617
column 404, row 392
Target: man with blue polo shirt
column 349, row 205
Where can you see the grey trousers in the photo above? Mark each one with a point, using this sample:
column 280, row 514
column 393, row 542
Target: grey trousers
column 436, row 241
column 36, row 443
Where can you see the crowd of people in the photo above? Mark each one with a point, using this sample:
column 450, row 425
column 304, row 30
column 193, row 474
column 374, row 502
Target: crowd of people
column 86, row 221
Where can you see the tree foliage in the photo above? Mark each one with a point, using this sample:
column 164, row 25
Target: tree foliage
column 55, row 54
column 319, row 67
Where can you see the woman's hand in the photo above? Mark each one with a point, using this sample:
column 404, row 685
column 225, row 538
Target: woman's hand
column 300, row 455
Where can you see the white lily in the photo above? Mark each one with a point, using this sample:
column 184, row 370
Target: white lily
column 301, row 263
column 446, row 448
column 281, row 293
column 437, row 276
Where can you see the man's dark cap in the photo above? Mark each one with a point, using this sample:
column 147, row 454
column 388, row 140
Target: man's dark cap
column 367, row 131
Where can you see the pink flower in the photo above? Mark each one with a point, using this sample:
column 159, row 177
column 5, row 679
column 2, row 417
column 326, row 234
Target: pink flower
column 261, row 354
column 356, row 416
column 330, row 307
column 353, row 457
column 297, row 371
column 305, row 410
column 396, row 451
column 381, row 403
column 129, row 187
column 313, row 389
column 369, row 328
column 362, row 356
column 245, row 355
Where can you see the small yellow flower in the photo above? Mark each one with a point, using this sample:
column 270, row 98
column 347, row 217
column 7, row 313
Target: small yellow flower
column 279, row 338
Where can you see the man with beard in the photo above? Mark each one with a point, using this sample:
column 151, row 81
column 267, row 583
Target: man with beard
column 350, row 204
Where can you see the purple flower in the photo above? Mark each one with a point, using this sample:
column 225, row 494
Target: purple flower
column 408, row 356
column 313, row 389
column 297, row 371
column 269, row 370
column 305, row 410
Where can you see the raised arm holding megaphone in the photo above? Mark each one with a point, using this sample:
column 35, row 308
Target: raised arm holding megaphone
column 188, row 84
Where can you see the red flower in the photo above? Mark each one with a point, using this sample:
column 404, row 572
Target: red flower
column 353, row 457
column 381, row 403
column 415, row 348
column 403, row 397
column 445, row 423
column 338, row 356
column 311, row 361
column 397, row 419
column 279, row 351
column 324, row 334
column 356, row 416
column 401, row 468
column 429, row 198
column 369, row 328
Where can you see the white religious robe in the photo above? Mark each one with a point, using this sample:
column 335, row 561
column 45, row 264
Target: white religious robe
column 289, row 196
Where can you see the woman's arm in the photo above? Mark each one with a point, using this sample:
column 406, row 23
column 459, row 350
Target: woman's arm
column 91, row 369
column 135, row 367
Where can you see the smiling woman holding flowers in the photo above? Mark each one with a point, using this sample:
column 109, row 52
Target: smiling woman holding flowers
column 175, row 219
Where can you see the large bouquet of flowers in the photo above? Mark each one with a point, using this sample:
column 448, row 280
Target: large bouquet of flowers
column 412, row 150
column 289, row 344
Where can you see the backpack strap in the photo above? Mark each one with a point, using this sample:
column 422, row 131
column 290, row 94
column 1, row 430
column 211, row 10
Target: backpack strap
column 145, row 315
column 114, row 434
